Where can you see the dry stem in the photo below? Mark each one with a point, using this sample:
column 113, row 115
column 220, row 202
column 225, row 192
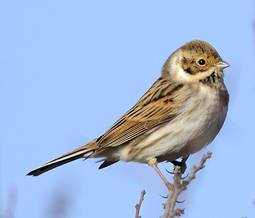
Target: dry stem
column 179, row 185
column 139, row 204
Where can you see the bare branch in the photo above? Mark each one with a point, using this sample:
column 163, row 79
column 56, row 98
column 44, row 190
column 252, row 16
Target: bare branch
column 178, row 186
column 138, row 206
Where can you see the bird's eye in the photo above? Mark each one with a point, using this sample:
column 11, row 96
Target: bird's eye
column 201, row 62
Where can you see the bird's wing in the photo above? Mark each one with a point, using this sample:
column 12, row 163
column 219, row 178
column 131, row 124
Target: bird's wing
column 160, row 104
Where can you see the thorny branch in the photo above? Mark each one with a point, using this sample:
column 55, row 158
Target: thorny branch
column 179, row 185
column 175, row 188
column 139, row 204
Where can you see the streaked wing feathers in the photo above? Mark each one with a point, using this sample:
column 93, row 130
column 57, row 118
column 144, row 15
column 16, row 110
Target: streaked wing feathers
column 158, row 105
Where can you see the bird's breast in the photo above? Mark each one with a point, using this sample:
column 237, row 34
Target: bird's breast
column 205, row 115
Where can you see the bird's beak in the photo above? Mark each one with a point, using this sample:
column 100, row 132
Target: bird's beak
column 222, row 65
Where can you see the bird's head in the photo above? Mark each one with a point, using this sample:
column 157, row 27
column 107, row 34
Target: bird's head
column 194, row 62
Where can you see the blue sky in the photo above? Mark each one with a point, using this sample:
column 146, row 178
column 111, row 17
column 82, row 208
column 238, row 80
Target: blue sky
column 69, row 69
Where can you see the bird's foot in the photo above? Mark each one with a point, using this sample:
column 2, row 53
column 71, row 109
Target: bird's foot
column 182, row 164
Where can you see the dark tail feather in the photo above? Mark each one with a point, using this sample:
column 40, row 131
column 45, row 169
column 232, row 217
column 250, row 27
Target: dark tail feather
column 66, row 158
column 107, row 163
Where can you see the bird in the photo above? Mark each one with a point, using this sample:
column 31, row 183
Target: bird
column 182, row 112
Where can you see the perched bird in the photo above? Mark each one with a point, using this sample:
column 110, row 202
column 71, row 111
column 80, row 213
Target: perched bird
column 181, row 113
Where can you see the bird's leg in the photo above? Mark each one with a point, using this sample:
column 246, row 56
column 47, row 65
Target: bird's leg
column 181, row 164
column 154, row 164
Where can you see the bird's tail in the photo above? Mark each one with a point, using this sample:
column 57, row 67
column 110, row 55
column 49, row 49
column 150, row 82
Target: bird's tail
column 84, row 151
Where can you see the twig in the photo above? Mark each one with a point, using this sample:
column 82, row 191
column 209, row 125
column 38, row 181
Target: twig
column 179, row 185
column 138, row 206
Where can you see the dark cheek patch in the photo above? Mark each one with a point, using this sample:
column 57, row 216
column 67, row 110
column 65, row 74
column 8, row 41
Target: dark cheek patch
column 189, row 66
column 188, row 70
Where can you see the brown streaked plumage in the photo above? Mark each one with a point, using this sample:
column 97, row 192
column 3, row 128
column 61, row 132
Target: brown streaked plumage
column 181, row 113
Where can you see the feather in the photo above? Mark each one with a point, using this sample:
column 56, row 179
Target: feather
column 81, row 152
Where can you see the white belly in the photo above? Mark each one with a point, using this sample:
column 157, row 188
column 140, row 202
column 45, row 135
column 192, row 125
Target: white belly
column 197, row 125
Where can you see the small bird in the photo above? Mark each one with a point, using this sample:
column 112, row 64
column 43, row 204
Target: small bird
column 182, row 112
